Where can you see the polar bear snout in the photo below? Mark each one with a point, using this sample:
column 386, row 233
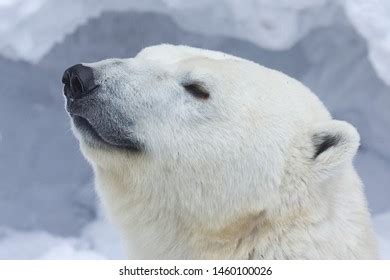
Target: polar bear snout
column 96, row 119
column 78, row 81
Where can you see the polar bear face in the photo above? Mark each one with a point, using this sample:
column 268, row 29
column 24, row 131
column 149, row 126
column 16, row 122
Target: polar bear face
column 203, row 135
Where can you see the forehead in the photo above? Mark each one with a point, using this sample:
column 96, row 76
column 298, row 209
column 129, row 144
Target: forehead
column 169, row 54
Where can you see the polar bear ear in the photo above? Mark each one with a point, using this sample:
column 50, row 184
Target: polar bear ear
column 334, row 143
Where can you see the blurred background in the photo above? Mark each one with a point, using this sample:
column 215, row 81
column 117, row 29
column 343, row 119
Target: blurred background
column 48, row 209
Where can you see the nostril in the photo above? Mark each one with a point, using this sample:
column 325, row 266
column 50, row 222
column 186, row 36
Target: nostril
column 66, row 78
column 79, row 81
column 76, row 85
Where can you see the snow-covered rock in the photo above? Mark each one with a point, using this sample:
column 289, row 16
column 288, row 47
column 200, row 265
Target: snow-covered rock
column 43, row 245
column 97, row 241
column 372, row 20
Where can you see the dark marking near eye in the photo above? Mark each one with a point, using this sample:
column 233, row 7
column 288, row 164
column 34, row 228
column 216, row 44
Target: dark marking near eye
column 197, row 91
column 325, row 142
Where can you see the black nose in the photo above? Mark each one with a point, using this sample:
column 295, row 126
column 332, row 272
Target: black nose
column 78, row 81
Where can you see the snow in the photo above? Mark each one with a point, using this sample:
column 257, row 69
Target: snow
column 30, row 28
column 42, row 245
column 339, row 48
column 25, row 33
column 372, row 20
column 98, row 240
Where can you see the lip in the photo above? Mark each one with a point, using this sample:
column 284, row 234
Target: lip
column 86, row 128
column 92, row 137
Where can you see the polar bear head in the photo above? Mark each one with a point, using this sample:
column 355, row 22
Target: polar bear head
column 204, row 136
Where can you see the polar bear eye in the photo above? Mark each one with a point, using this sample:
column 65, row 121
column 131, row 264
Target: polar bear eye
column 197, row 90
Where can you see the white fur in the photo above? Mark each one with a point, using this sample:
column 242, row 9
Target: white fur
column 234, row 176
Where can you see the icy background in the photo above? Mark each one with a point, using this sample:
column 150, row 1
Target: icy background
column 339, row 48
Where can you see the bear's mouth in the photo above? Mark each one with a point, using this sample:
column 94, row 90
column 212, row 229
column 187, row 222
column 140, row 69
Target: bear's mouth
column 84, row 126
column 92, row 137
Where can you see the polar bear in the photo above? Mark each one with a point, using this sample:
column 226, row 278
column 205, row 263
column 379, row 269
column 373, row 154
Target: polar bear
column 202, row 155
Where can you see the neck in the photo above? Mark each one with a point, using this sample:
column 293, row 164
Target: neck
column 155, row 228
